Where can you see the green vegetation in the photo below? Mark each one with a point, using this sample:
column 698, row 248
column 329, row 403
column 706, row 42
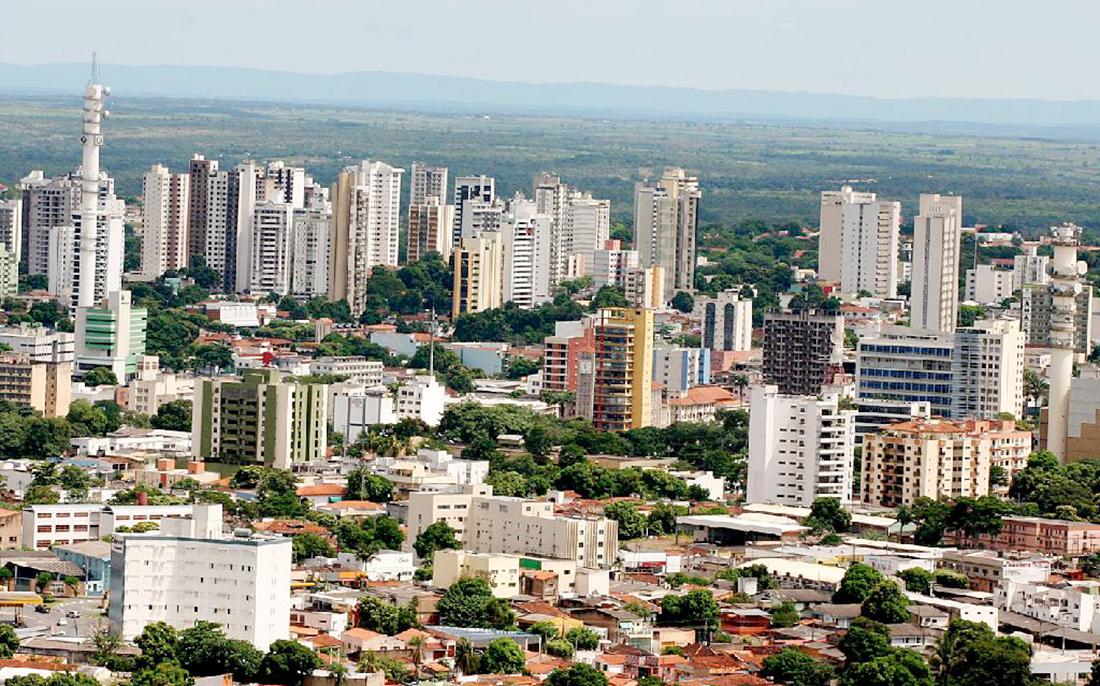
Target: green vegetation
column 437, row 536
column 385, row 618
column 469, row 602
column 858, row 583
column 795, row 668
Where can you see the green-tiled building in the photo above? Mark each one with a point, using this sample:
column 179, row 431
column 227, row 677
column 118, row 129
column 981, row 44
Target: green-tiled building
column 111, row 336
column 263, row 419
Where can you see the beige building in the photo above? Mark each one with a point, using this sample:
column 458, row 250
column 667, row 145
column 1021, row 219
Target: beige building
column 623, row 372
column 665, row 221
column 11, row 529
column 431, row 227
column 450, row 505
column 936, row 458
column 479, row 273
column 45, row 386
column 937, row 235
column 501, row 571
column 530, row 527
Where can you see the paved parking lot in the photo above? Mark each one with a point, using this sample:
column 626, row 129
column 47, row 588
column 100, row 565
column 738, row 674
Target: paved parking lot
column 90, row 615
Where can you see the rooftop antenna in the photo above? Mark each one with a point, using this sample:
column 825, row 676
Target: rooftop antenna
column 95, row 69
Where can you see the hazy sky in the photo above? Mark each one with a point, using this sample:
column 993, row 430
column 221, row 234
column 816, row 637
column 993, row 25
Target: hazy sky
column 978, row 48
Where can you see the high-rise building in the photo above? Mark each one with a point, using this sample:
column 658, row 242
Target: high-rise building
column 111, row 335
column 551, row 198
column 241, row 583
column 937, row 236
column 1082, row 440
column 40, row 343
column 271, row 245
column 366, row 211
column 260, row 419
column 426, row 183
column 246, row 184
column 977, row 372
column 199, row 170
column 48, row 206
column 858, row 243
column 587, row 223
column 11, row 226
column 309, row 266
column 933, row 459
column 987, row 284
column 801, row 447
column 165, row 221
column 44, row 386
column 475, row 206
column 431, row 219
column 666, row 216
column 645, row 287
column 527, row 237
column 1037, row 313
column 9, row 272
column 1030, row 268
column 610, row 264
column 86, row 255
column 478, row 273
column 726, row 319
column 561, row 363
column 622, row 377
column 803, row 350
column 282, row 184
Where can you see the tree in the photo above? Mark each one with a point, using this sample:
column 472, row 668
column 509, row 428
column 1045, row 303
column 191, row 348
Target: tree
column 662, row 518
column 469, row 602
column 393, row 669
column 683, row 302
column 164, row 674
column 830, row 514
column 204, row 650
column 577, row 675
column 899, row 667
column 416, row 645
column 362, row 485
column 41, row 495
column 546, row 630
column 100, row 376
column 438, row 536
column 75, row 481
column 917, row 580
column 865, row 640
column 1094, row 676
column 695, row 609
column 310, row 545
column 795, row 668
column 969, row 654
column 632, row 524
column 9, row 642
column 385, row 618
column 289, row 662
column 158, row 643
column 173, row 416
column 886, row 603
column 583, row 638
column 107, row 641
column 785, row 615
column 857, row 584
column 559, row 647
column 467, row 660
column 952, row 579
column 609, row 296
column 502, row 656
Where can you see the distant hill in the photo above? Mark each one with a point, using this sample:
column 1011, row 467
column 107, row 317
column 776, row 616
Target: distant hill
column 434, row 93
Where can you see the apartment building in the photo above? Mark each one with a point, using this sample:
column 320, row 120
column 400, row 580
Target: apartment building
column 985, row 284
column 366, row 212
column 527, row 254
column 1037, row 309
column 622, row 375
column 47, row 205
column 989, row 570
column 645, row 287
column 429, row 470
column 431, row 229
column 478, row 273
column 611, row 263
column 261, row 418
column 45, row 526
column 679, row 369
column 310, row 250
column 934, row 290
column 11, row 226
column 241, row 583
column 164, row 218
column 497, row 524
column 501, row 571
column 1030, row 268
column 800, row 448
column 422, row 397
column 561, row 361
column 475, row 207
column 587, row 223
column 450, row 504
column 111, row 335
column 802, row 350
column 355, row 368
column 1041, row 535
column 858, row 243
column 666, row 215
column 933, row 458
column 355, row 410
column 44, row 386
column 726, row 320
column 271, row 250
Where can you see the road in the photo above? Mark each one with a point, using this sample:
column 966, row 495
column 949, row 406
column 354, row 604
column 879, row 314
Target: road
column 90, row 616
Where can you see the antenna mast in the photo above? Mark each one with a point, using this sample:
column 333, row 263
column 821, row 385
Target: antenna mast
column 95, row 68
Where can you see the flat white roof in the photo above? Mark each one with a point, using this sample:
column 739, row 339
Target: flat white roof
column 803, row 512
column 802, row 570
column 754, row 523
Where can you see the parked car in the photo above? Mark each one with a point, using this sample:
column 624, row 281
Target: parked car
column 44, row 609
column 72, row 614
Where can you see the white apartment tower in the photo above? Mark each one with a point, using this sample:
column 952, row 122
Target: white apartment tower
column 551, row 196
column 858, row 243
column 270, row 244
column 726, row 321
column 665, row 221
column 309, row 267
column 164, row 221
column 48, row 206
column 937, row 235
column 431, row 219
column 527, row 235
column 587, row 224
column 610, row 264
column 366, row 211
column 11, row 226
column 800, row 448
column 426, row 183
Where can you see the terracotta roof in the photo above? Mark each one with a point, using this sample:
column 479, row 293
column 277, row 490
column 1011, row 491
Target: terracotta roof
column 361, row 634
column 703, row 395
column 324, row 641
column 322, row 489
column 355, row 505
column 289, row 527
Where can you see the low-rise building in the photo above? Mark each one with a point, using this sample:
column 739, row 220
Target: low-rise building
column 354, row 411
column 46, row 526
column 165, row 475
column 421, row 398
column 1042, row 535
column 987, row 569
column 94, row 557
column 358, row 369
column 429, row 470
column 450, row 505
column 501, row 571
column 44, row 386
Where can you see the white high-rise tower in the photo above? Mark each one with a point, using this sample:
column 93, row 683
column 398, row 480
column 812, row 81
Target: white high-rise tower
column 1065, row 285
column 937, row 235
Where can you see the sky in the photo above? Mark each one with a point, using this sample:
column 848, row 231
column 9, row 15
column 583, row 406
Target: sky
column 882, row 48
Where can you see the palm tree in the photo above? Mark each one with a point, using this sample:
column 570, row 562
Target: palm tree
column 339, row 672
column 466, row 658
column 741, row 381
column 416, row 644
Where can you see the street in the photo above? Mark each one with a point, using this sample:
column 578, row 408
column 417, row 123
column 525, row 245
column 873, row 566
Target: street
column 90, row 616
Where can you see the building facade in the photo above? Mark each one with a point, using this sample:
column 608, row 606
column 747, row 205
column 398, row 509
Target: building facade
column 112, row 336
column 726, row 321
column 802, row 350
column 858, row 243
column 164, row 219
column 478, row 274
column 44, row 386
column 622, row 375
column 665, row 224
column 937, row 236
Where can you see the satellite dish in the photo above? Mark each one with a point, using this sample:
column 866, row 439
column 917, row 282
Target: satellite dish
column 1082, row 267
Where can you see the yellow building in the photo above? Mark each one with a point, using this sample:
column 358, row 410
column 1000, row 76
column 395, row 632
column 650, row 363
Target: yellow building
column 479, row 273
column 45, row 386
column 501, row 571
column 622, row 381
